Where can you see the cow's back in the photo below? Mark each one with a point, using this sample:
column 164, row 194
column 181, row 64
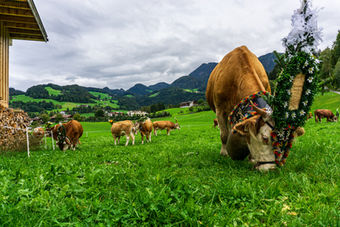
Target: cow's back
column 74, row 129
column 122, row 126
column 163, row 124
column 238, row 75
column 324, row 112
column 147, row 125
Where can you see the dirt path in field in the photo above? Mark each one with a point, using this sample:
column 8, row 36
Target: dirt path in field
column 337, row 92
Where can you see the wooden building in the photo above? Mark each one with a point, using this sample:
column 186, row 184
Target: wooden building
column 19, row 19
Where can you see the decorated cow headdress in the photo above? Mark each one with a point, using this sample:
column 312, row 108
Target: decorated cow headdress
column 297, row 82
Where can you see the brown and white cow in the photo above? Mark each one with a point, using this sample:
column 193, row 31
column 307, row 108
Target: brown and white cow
column 237, row 76
column 38, row 133
column 168, row 125
column 145, row 129
column 122, row 128
column 67, row 134
column 324, row 113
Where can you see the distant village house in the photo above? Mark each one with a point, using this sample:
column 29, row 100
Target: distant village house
column 187, row 104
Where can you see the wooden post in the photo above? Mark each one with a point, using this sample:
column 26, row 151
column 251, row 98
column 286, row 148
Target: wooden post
column 4, row 65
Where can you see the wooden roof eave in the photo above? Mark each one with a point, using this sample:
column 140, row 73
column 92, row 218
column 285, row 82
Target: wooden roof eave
column 38, row 19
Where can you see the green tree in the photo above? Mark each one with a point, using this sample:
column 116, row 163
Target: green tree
column 326, row 64
column 336, row 50
column 77, row 117
column 99, row 113
column 45, row 118
column 337, row 74
column 59, row 117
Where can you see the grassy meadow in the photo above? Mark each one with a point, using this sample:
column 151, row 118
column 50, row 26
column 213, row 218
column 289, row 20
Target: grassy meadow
column 175, row 180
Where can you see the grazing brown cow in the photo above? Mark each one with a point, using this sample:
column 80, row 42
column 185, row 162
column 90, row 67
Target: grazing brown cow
column 145, row 129
column 215, row 122
column 323, row 113
column 67, row 134
column 168, row 125
column 122, row 128
column 239, row 75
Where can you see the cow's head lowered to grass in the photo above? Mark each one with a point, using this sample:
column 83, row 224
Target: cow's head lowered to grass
column 258, row 131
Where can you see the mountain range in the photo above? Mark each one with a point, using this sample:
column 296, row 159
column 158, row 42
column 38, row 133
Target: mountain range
column 185, row 88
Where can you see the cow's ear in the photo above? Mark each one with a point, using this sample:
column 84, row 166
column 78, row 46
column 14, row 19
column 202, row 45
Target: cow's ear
column 245, row 127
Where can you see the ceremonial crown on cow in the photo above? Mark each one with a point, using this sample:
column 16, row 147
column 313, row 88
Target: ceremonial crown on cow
column 297, row 82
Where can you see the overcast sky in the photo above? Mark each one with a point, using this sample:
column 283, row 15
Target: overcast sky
column 118, row 43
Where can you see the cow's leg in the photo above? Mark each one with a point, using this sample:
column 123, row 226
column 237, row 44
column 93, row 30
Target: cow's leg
column 150, row 136
column 221, row 118
column 118, row 139
column 142, row 134
column 168, row 131
column 127, row 139
column 114, row 138
column 155, row 131
column 133, row 138
column 74, row 142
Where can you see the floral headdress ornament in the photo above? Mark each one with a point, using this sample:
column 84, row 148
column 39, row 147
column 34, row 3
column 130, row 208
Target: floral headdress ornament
column 297, row 82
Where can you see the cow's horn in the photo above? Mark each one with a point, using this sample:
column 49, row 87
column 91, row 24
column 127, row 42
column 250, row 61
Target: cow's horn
column 260, row 111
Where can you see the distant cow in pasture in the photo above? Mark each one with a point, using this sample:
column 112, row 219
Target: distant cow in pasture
column 324, row 113
column 67, row 134
column 38, row 133
column 162, row 125
column 215, row 123
column 121, row 128
column 145, row 128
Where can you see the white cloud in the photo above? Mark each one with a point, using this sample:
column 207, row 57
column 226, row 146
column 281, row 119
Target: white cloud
column 119, row 43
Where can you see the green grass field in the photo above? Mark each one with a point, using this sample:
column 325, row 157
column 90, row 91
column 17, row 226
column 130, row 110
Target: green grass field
column 52, row 91
column 175, row 180
column 101, row 95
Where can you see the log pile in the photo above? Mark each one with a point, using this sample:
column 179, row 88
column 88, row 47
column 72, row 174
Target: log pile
column 13, row 125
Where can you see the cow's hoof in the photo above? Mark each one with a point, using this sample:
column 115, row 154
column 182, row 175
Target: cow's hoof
column 265, row 167
column 224, row 153
column 252, row 161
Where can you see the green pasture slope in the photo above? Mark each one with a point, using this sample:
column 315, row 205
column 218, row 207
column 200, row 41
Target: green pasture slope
column 70, row 105
column 175, row 180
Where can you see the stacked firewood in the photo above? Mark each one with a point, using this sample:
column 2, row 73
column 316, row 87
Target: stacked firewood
column 13, row 126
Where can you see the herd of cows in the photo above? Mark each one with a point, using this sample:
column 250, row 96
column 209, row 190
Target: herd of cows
column 67, row 134
column 240, row 74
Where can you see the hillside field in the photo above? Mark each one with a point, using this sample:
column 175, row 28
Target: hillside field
column 175, row 180
column 69, row 105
